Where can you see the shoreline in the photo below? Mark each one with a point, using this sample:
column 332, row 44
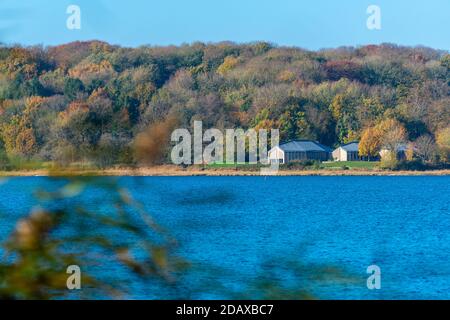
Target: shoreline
column 166, row 170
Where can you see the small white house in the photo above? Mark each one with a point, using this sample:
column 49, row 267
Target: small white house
column 276, row 155
column 347, row 152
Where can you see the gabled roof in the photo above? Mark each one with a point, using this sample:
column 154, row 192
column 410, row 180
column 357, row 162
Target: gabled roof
column 351, row 146
column 400, row 147
column 303, row 146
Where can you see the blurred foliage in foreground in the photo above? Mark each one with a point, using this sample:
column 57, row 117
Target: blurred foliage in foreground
column 65, row 233
column 122, row 237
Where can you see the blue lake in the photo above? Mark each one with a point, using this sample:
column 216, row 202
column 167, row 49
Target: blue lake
column 401, row 224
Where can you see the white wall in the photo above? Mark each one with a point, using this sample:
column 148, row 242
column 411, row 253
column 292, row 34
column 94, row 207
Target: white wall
column 276, row 153
column 339, row 154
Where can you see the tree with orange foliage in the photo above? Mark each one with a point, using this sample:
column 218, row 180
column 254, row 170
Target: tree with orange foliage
column 26, row 142
column 18, row 134
column 151, row 144
column 18, row 137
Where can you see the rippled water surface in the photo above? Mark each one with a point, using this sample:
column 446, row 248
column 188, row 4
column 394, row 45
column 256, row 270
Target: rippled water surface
column 401, row 224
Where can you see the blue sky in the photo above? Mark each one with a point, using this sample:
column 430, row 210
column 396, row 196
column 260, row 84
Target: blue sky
column 311, row 24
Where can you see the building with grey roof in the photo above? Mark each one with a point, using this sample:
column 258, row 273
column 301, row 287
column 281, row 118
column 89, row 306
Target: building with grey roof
column 347, row 152
column 299, row 150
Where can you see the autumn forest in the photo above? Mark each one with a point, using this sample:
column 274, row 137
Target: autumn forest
column 90, row 101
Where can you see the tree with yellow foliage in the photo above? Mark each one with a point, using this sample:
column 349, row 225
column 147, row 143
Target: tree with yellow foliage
column 370, row 142
column 228, row 63
column 443, row 143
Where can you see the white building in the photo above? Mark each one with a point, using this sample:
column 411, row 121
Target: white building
column 347, row 152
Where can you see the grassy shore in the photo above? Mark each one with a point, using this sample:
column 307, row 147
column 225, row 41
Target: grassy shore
column 171, row 170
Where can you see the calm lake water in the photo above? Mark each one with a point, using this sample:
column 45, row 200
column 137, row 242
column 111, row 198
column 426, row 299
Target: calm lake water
column 401, row 224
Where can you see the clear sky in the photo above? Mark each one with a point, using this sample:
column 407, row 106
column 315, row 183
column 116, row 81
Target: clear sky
column 311, row 24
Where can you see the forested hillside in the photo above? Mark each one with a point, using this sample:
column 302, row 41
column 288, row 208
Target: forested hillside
column 87, row 101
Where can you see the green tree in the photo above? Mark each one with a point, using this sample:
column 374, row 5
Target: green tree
column 72, row 87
